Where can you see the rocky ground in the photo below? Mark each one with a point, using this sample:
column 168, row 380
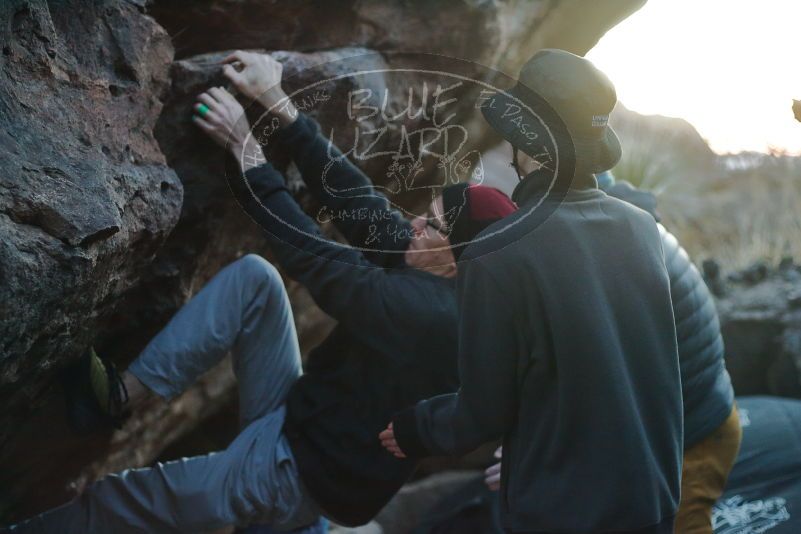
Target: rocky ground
column 760, row 312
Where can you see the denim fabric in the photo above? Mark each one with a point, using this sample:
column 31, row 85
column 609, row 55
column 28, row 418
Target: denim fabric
column 244, row 310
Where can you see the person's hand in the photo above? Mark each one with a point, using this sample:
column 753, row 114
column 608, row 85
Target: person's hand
column 258, row 76
column 492, row 475
column 219, row 114
column 387, row 438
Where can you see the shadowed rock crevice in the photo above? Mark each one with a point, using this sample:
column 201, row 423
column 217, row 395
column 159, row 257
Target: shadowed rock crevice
column 760, row 312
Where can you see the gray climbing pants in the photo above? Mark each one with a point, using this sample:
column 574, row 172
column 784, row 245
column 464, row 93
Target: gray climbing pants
column 243, row 310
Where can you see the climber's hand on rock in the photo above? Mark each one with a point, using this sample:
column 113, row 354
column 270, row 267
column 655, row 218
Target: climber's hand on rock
column 225, row 122
column 387, row 438
column 219, row 115
column 258, row 76
column 492, row 475
column 253, row 74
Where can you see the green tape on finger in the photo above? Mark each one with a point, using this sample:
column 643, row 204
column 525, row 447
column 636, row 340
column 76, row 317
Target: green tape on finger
column 202, row 110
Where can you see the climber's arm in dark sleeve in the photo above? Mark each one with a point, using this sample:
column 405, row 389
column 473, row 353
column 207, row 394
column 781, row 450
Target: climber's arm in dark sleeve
column 347, row 196
column 372, row 301
column 485, row 406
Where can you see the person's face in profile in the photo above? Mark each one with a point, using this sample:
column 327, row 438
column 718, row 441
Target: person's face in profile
column 430, row 247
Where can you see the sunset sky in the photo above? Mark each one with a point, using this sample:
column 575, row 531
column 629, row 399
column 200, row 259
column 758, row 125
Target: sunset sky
column 730, row 67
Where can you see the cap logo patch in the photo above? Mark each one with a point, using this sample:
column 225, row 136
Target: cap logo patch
column 599, row 121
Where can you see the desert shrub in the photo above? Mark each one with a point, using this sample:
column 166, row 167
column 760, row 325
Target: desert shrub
column 743, row 215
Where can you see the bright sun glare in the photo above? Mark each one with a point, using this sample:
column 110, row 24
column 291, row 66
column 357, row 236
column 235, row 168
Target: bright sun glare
column 729, row 67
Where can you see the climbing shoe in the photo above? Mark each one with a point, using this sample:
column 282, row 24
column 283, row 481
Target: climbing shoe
column 96, row 395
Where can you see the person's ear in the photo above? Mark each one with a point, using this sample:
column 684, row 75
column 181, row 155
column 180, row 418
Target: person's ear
column 527, row 163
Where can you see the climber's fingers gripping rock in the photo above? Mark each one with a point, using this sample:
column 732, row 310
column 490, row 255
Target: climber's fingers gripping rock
column 257, row 76
column 222, row 117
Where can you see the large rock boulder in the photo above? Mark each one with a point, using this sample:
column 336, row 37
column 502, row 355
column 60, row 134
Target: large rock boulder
column 86, row 197
column 499, row 34
column 86, row 200
column 114, row 211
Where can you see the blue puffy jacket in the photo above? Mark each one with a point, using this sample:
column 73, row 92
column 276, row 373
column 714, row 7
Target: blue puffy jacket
column 706, row 386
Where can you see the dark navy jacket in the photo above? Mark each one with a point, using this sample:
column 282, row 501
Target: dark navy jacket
column 706, row 386
column 567, row 349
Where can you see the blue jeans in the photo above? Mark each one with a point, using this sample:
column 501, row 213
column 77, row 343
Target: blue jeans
column 243, row 310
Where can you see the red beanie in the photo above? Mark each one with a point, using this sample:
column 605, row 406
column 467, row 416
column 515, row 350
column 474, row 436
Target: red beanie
column 469, row 209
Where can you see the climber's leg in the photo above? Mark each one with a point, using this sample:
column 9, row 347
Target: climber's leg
column 243, row 309
column 254, row 480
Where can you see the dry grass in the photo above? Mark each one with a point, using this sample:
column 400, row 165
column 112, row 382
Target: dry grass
column 745, row 209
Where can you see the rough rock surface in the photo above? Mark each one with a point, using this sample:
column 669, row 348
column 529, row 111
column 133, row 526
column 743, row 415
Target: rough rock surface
column 496, row 33
column 112, row 214
column 84, row 184
column 86, row 199
column 412, row 503
column 760, row 313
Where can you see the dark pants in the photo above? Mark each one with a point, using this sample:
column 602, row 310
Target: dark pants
column 320, row 527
